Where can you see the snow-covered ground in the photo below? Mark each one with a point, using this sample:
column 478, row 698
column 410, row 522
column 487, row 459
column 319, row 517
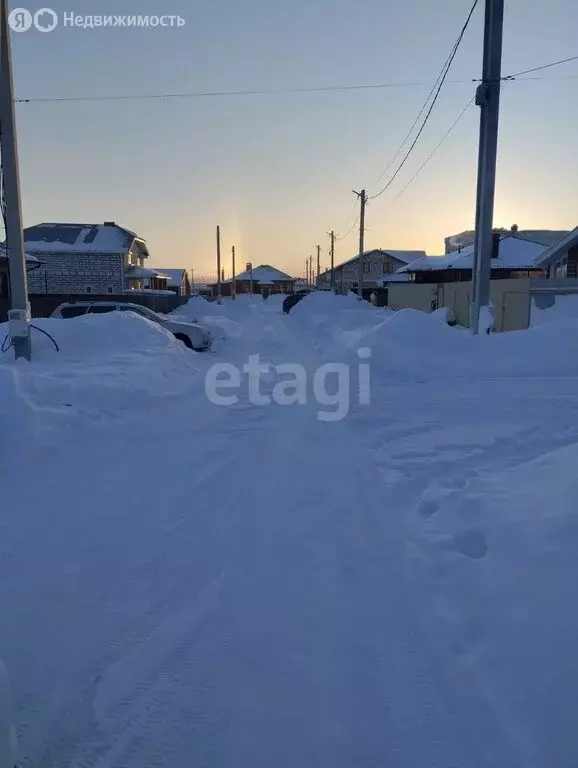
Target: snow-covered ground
column 185, row 584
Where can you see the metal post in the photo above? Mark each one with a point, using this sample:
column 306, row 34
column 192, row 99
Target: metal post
column 488, row 99
column 19, row 314
column 219, row 262
column 233, row 284
column 363, row 199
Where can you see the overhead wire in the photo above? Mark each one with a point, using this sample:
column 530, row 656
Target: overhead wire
column 440, row 84
column 432, row 153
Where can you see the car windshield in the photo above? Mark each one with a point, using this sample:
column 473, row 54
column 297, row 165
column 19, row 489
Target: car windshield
column 68, row 312
column 145, row 312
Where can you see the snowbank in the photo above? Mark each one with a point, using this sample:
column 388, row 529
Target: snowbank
column 107, row 364
column 565, row 308
column 495, row 564
column 413, row 345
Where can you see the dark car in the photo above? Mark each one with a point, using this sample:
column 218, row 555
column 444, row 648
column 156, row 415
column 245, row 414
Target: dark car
column 290, row 301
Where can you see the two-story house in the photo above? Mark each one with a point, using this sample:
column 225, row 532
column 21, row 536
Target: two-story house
column 89, row 258
column 379, row 265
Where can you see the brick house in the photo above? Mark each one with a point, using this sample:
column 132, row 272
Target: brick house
column 89, row 258
column 263, row 279
column 378, row 265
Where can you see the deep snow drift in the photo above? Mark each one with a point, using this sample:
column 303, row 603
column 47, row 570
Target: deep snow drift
column 187, row 584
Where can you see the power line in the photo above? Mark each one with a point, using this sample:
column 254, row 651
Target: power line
column 540, row 68
column 280, row 91
column 432, row 105
column 350, row 230
column 420, row 113
column 214, row 94
column 429, row 157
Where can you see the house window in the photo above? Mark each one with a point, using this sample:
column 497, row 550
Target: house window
column 110, row 289
column 387, row 267
column 88, row 289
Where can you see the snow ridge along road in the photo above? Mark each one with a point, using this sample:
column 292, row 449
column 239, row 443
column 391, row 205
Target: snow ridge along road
column 192, row 585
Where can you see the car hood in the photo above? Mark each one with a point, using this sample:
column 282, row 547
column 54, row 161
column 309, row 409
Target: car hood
column 184, row 327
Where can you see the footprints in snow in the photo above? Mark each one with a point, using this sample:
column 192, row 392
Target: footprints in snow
column 449, row 495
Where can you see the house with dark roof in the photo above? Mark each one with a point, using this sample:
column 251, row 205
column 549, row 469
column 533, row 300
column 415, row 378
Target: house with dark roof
column 89, row 258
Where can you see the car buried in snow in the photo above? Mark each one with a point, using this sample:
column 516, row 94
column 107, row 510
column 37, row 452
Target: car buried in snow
column 294, row 298
column 192, row 335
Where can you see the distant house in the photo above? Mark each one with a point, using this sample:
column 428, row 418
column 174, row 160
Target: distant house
column 178, row 281
column 89, row 258
column 512, row 256
column 32, row 263
column 545, row 237
column 379, row 267
column 263, row 279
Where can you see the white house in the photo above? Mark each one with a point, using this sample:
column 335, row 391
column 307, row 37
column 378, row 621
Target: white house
column 89, row 258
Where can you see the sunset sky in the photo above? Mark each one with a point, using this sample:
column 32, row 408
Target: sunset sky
column 277, row 171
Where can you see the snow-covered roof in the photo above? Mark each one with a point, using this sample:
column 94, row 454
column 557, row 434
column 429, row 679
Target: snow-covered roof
column 265, row 274
column 4, row 255
column 79, row 238
column 513, row 253
column 176, row 276
column 559, row 248
column 397, row 277
column 143, row 273
column 545, row 237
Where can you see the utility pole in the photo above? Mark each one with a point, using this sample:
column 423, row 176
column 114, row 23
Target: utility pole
column 311, row 270
column 363, row 200
column 488, row 99
column 219, row 262
column 332, row 254
column 318, row 262
column 19, row 313
column 307, row 271
column 233, row 284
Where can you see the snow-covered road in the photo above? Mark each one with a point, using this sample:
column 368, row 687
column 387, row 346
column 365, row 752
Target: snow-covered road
column 194, row 585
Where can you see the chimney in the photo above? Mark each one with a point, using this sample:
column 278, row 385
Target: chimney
column 496, row 244
column 248, row 266
column 514, row 227
column 110, row 223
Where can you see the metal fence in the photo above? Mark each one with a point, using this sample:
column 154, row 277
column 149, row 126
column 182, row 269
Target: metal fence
column 44, row 306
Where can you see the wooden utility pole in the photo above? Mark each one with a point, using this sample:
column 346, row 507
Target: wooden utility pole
column 318, row 262
column 218, row 261
column 488, row 99
column 363, row 200
column 310, row 270
column 332, row 254
column 233, row 284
